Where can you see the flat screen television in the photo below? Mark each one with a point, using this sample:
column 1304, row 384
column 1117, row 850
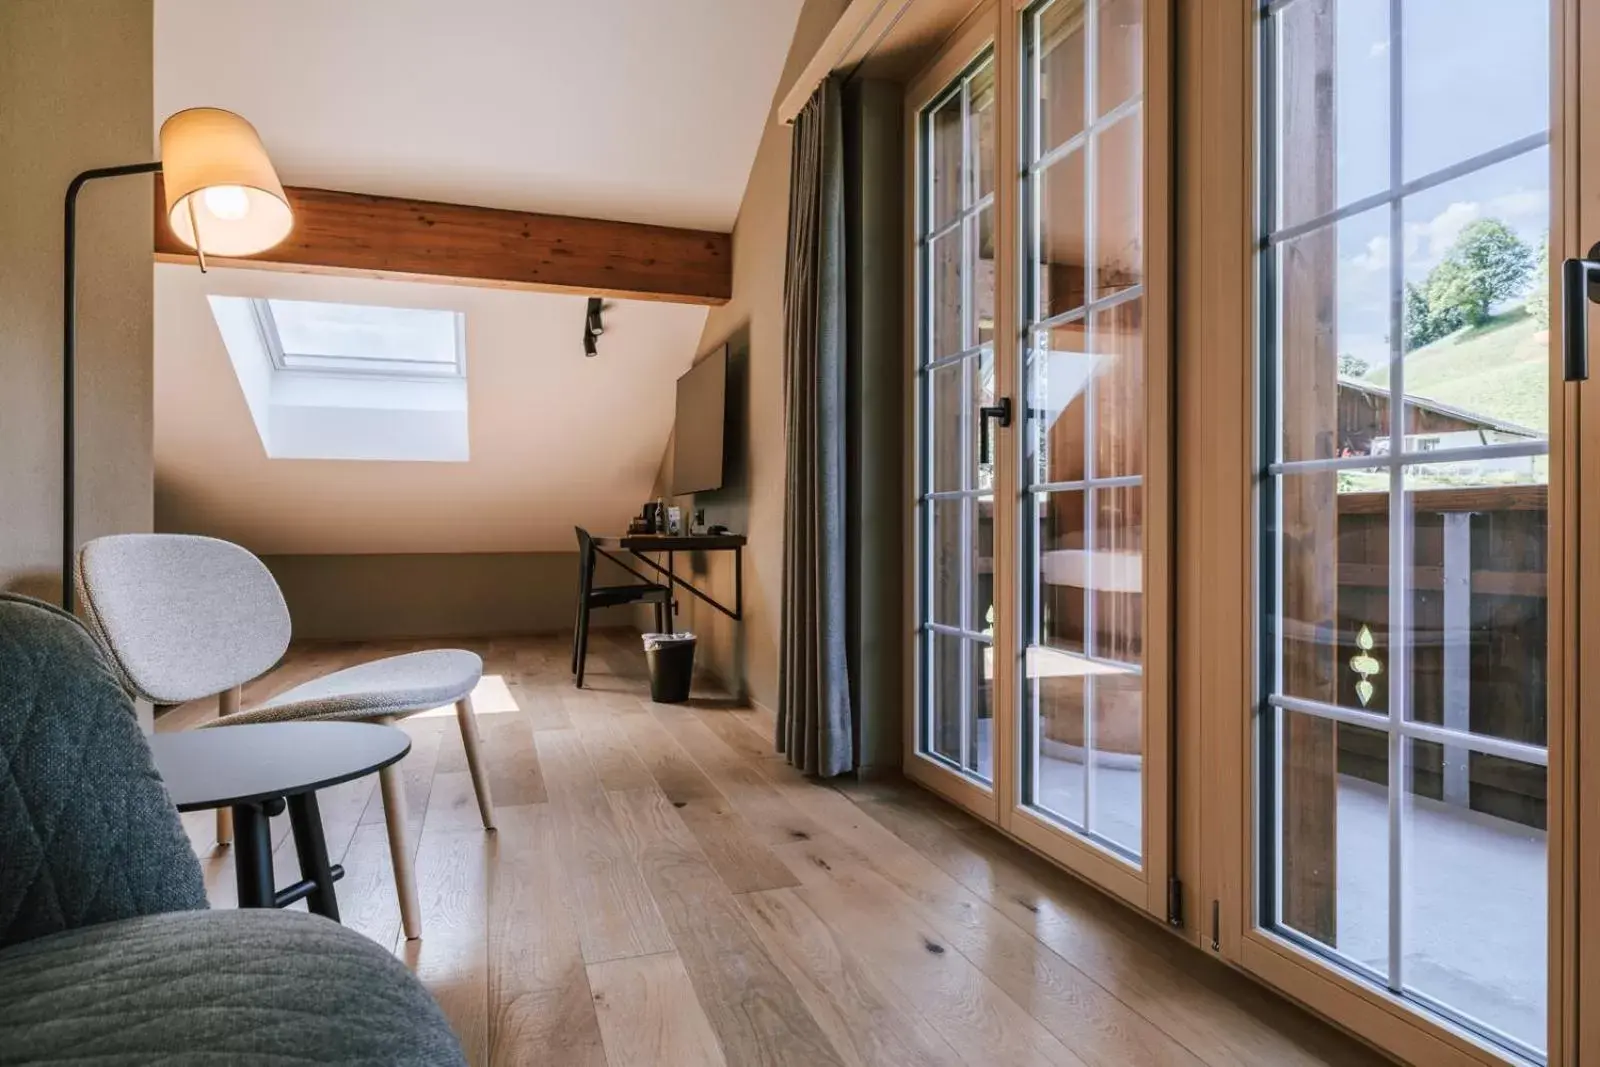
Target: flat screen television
column 698, row 431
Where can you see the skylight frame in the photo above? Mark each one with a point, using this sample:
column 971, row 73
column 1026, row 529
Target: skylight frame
column 366, row 367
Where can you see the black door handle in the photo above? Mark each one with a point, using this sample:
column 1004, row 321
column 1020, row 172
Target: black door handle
column 1580, row 283
column 1001, row 413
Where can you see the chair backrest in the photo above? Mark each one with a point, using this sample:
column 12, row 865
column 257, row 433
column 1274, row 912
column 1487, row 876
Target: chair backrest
column 88, row 833
column 181, row 617
column 585, row 560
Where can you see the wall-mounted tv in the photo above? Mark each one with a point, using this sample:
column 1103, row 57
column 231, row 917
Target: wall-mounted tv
column 698, row 431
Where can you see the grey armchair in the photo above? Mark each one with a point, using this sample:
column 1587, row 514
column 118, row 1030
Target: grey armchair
column 107, row 952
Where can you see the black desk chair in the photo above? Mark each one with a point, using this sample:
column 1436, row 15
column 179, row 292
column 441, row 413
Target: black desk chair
column 607, row 596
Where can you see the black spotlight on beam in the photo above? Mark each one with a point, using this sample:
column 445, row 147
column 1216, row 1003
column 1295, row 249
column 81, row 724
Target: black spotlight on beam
column 590, row 349
column 596, row 327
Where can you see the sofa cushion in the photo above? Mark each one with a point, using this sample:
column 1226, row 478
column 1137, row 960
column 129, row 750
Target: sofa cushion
column 87, row 831
column 237, row 987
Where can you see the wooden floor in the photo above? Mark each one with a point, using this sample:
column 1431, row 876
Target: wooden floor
column 663, row 890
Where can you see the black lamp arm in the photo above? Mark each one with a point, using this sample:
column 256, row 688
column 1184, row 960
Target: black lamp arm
column 69, row 346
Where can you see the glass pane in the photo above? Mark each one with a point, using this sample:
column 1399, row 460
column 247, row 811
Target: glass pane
column 1059, row 372
column 1118, row 401
column 1083, row 660
column 981, row 515
column 1338, row 142
column 944, row 703
column 1116, row 758
column 1479, row 618
column 1060, row 544
column 1333, row 339
column 1119, row 52
column 1454, row 108
column 1059, row 281
column 980, row 760
column 1477, row 318
column 946, row 179
column 356, row 332
column 983, row 129
column 1115, row 573
column 1332, row 619
column 982, row 278
column 982, row 370
column 1056, row 683
column 1475, row 887
column 1333, row 836
column 947, row 566
column 1119, row 206
column 947, row 409
column 945, row 333
column 1059, row 45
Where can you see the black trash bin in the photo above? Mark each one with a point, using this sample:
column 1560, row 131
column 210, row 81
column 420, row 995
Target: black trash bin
column 671, row 659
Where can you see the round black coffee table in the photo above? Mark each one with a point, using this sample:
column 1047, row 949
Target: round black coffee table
column 256, row 771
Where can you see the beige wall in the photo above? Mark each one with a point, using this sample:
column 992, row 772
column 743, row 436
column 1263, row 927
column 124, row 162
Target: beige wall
column 436, row 595
column 745, row 658
column 75, row 93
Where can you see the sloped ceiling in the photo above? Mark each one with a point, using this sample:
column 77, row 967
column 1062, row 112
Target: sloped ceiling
column 637, row 110
column 557, row 439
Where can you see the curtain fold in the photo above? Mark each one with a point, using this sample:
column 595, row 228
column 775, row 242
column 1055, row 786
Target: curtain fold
column 816, row 730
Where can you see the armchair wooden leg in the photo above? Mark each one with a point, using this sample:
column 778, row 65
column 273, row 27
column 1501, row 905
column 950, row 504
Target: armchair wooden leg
column 227, row 704
column 480, row 773
column 394, row 815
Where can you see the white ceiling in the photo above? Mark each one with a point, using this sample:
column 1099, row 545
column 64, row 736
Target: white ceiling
column 556, row 439
column 639, row 110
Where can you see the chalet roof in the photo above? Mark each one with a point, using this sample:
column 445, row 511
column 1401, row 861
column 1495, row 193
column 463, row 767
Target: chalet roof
column 1476, row 418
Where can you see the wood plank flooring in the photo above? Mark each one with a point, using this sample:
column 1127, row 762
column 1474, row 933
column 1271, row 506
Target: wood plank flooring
column 663, row 890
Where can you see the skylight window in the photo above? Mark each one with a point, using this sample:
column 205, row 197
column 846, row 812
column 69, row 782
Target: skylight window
column 355, row 339
column 348, row 381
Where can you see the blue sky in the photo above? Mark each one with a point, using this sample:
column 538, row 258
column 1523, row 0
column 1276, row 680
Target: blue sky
column 1475, row 76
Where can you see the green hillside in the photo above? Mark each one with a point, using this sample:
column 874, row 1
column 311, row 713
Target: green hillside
column 1500, row 369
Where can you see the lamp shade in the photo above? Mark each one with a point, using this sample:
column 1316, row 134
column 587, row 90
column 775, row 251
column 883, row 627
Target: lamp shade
column 218, row 179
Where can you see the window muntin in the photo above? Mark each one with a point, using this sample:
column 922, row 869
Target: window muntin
column 955, row 378
column 1402, row 727
column 1084, row 464
column 306, row 335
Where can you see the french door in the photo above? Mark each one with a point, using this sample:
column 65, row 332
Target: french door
column 1357, row 463
column 1406, row 417
column 1040, row 361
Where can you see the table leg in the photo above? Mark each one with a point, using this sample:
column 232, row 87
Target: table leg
column 252, row 857
column 305, row 819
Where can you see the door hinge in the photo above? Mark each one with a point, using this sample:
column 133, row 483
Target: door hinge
column 1216, row 926
column 1175, row 903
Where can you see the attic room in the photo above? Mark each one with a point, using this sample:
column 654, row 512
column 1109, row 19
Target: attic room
column 798, row 532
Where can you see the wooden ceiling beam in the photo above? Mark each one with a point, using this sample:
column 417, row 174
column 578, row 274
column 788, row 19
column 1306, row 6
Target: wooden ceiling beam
column 420, row 240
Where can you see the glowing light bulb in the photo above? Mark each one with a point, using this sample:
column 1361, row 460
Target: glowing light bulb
column 227, row 202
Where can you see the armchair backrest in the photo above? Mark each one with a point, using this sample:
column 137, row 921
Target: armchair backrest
column 181, row 617
column 87, row 831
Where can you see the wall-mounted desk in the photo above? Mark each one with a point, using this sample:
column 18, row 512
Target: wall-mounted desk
column 644, row 547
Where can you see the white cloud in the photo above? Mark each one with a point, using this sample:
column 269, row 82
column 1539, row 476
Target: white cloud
column 1427, row 242
column 1373, row 258
column 1524, row 205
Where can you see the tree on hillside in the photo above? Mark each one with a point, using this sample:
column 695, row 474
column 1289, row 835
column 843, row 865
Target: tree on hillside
column 1351, row 366
column 1487, row 264
column 1423, row 325
column 1539, row 294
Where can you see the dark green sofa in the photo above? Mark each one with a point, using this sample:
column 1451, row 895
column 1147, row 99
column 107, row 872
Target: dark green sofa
column 108, row 954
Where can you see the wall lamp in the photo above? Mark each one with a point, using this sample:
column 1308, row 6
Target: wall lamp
column 222, row 197
column 592, row 327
